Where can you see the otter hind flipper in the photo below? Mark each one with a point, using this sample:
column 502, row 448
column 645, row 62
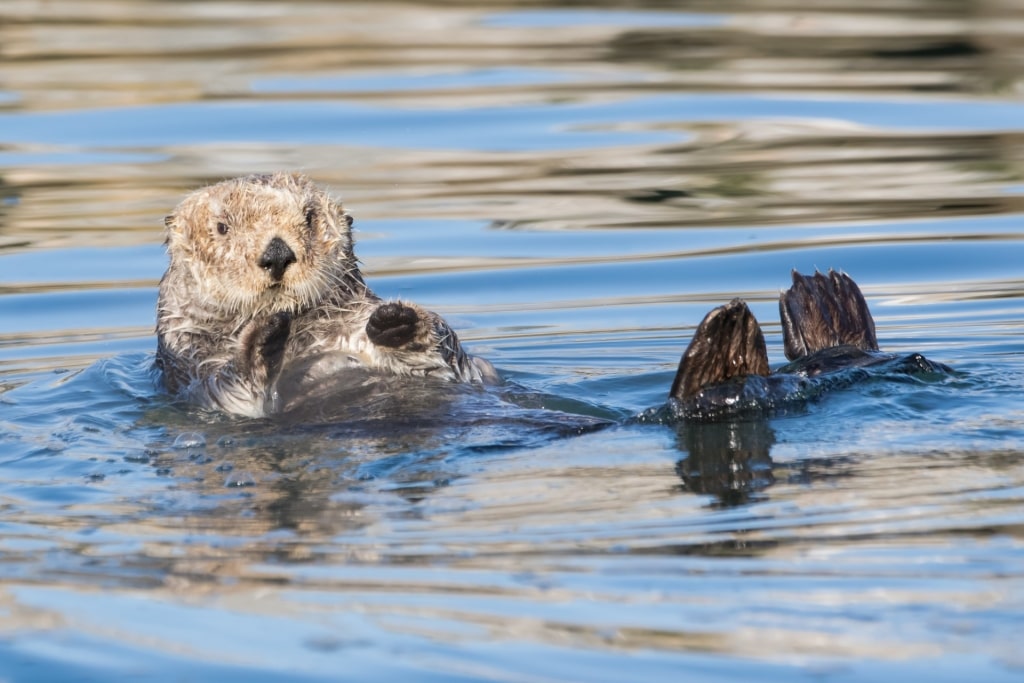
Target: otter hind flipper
column 728, row 343
column 823, row 311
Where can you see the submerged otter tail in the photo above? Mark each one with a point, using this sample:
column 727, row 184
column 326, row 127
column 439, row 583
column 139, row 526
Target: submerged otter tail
column 728, row 343
column 822, row 311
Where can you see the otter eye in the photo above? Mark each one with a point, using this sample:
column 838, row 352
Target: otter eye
column 310, row 215
column 223, row 228
column 349, row 220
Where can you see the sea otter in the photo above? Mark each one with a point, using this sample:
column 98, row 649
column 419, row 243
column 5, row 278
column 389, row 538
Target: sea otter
column 262, row 280
column 264, row 291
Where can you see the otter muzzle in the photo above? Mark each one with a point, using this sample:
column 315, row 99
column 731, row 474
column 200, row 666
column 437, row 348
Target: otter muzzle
column 276, row 258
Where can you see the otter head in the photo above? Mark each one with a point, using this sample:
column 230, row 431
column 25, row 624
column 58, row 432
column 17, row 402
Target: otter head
column 263, row 244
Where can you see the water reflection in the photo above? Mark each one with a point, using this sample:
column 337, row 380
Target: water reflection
column 916, row 46
column 155, row 107
column 416, row 526
column 732, row 176
column 730, row 460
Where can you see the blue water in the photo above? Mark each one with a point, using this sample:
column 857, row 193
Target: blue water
column 573, row 190
column 491, row 128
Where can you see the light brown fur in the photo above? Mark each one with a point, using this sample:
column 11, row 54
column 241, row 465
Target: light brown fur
column 233, row 315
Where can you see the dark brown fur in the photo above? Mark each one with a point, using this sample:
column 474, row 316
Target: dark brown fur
column 818, row 312
column 823, row 311
column 728, row 343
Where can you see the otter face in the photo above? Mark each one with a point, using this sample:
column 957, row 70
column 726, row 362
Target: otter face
column 262, row 244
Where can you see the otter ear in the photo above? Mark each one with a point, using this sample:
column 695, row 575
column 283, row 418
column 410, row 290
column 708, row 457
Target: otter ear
column 176, row 232
column 335, row 216
column 312, row 213
column 169, row 225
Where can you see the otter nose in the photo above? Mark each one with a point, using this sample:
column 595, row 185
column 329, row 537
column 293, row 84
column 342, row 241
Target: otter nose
column 276, row 258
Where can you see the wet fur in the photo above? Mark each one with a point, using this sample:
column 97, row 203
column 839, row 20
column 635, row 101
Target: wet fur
column 824, row 311
column 728, row 343
column 230, row 323
column 819, row 312
column 227, row 326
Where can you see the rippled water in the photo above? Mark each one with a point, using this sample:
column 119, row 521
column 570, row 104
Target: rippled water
column 573, row 189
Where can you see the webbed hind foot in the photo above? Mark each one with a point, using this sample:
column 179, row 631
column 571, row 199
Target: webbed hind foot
column 728, row 343
column 823, row 311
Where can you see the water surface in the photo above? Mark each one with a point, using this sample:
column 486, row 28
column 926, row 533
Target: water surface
column 573, row 188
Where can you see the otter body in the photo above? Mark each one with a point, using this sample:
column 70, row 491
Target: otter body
column 263, row 301
column 263, row 282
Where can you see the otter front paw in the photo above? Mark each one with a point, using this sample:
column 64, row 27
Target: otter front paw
column 267, row 343
column 393, row 325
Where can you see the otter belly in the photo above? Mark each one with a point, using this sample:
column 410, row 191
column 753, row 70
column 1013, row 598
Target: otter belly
column 304, row 377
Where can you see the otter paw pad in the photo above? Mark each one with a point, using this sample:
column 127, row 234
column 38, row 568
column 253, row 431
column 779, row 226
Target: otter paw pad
column 392, row 325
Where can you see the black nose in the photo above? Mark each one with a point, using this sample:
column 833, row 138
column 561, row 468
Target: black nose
column 276, row 258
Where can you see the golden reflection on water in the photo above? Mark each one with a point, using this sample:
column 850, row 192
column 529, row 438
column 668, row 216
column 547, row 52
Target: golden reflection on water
column 733, row 182
column 100, row 54
column 70, row 54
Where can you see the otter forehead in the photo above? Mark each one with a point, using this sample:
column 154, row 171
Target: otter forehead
column 253, row 201
column 258, row 203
